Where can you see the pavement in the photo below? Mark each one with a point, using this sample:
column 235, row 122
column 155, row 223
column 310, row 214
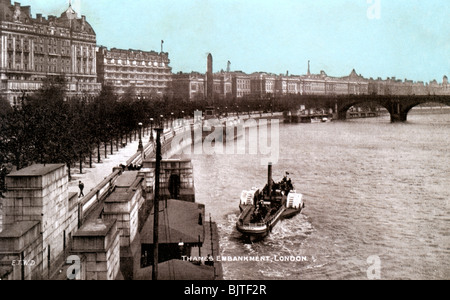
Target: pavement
column 91, row 177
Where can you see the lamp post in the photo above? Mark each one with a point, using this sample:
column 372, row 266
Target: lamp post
column 182, row 120
column 161, row 122
column 151, row 129
column 159, row 130
column 141, row 146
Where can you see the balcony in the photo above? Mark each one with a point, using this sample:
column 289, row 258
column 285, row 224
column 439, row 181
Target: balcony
column 22, row 85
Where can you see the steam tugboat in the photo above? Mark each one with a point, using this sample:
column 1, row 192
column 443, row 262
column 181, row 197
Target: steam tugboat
column 262, row 209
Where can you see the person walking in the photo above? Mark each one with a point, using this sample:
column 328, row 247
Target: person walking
column 81, row 186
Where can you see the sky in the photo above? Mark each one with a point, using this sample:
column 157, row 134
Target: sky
column 406, row 39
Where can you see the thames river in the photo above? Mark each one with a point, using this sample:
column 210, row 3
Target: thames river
column 377, row 201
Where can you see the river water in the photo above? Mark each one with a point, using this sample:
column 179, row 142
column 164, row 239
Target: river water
column 377, row 201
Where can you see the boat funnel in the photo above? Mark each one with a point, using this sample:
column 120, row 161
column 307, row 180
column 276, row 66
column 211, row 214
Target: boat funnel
column 269, row 177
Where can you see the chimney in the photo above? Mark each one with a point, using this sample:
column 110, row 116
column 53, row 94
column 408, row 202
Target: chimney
column 27, row 10
column 269, row 177
column 39, row 17
column 83, row 20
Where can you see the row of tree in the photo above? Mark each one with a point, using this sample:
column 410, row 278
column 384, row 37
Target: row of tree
column 48, row 127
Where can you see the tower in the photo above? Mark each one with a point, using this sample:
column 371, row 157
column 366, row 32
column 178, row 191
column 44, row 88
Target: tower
column 210, row 81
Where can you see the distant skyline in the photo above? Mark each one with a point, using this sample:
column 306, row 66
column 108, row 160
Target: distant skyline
column 378, row 38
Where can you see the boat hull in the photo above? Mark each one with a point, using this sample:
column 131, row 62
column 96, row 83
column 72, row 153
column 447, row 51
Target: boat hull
column 292, row 212
column 253, row 233
column 256, row 231
column 260, row 231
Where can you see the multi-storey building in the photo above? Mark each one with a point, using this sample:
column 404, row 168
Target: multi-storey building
column 146, row 72
column 241, row 85
column 322, row 84
column 189, row 86
column 222, row 86
column 285, row 84
column 262, row 83
column 357, row 84
column 34, row 48
column 393, row 86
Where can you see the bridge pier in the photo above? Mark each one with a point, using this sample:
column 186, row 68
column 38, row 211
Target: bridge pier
column 340, row 115
column 396, row 118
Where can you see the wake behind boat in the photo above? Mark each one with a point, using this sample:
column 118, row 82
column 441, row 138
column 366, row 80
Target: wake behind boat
column 262, row 209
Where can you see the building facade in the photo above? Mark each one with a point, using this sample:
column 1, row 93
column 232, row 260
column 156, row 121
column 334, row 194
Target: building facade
column 222, row 86
column 146, row 72
column 34, row 48
column 241, row 85
column 189, row 86
column 262, row 83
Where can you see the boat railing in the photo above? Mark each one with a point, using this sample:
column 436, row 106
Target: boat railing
column 252, row 225
column 279, row 212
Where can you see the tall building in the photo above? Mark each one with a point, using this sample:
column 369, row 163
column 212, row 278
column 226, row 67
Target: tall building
column 147, row 72
column 34, row 48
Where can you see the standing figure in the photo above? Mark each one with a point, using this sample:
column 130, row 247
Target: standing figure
column 81, row 186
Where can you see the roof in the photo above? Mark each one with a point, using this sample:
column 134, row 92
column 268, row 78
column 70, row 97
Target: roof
column 36, row 170
column 18, row 229
column 68, row 19
column 178, row 222
column 117, row 196
column 127, row 179
column 98, row 227
column 177, row 270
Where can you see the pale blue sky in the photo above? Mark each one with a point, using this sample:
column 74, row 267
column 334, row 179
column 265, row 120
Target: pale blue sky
column 410, row 39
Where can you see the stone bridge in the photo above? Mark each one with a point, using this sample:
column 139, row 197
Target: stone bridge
column 397, row 106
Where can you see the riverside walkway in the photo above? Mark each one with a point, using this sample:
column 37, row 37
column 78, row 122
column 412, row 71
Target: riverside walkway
column 92, row 177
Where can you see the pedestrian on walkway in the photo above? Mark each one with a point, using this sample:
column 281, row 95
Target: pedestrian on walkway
column 81, row 186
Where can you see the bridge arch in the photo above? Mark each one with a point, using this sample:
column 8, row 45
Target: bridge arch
column 344, row 107
column 408, row 108
column 397, row 106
